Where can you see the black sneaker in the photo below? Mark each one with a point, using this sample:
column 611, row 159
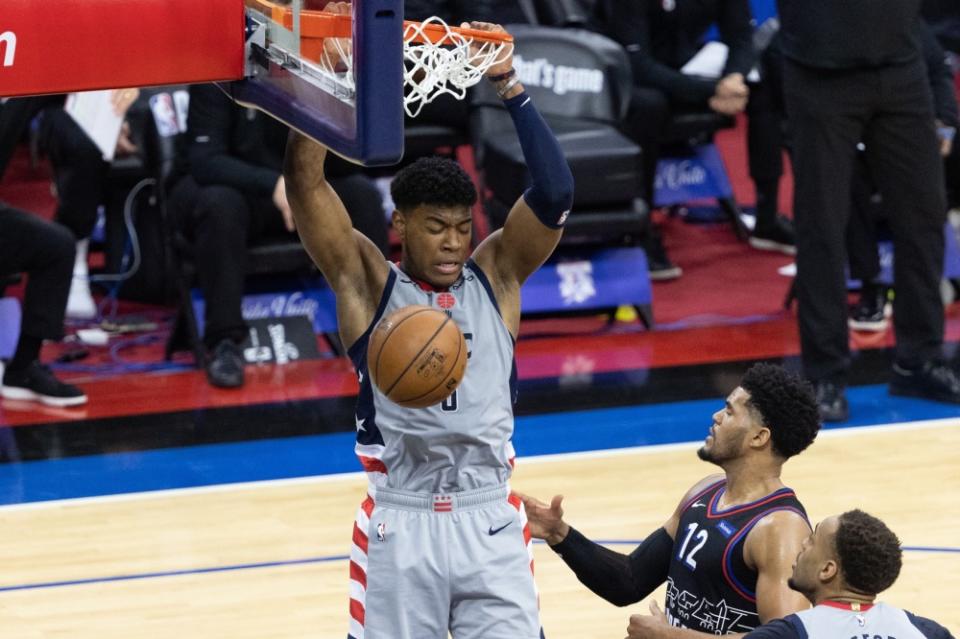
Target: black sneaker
column 37, row 383
column 934, row 380
column 870, row 313
column 659, row 265
column 225, row 365
column 779, row 236
column 831, row 402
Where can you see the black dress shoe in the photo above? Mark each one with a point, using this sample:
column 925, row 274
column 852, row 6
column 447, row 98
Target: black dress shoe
column 934, row 380
column 832, row 402
column 225, row 365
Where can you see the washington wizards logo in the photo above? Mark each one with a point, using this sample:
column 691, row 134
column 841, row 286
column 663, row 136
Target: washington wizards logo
column 446, row 301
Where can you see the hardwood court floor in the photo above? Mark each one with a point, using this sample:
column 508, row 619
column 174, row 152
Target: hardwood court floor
column 267, row 560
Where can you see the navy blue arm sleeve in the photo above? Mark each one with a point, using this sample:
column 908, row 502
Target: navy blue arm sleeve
column 550, row 195
column 620, row 579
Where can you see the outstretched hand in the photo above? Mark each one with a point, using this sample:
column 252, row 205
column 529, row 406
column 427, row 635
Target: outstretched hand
column 646, row 626
column 546, row 521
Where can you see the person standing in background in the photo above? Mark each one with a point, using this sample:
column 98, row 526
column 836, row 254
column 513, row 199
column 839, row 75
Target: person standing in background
column 853, row 72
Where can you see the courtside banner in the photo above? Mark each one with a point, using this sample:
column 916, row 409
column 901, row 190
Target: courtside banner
column 60, row 46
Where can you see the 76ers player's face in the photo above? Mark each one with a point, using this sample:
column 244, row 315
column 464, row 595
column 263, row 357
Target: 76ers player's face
column 731, row 425
column 436, row 242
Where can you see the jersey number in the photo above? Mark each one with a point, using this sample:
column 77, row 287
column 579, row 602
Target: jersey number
column 450, row 403
column 701, row 539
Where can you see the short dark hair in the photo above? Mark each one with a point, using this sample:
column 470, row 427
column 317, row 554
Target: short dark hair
column 786, row 404
column 432, row 180
column 869, row 552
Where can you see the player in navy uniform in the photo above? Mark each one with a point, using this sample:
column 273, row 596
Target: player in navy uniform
column 439, row 544
column 727, row 549
column 844, row 564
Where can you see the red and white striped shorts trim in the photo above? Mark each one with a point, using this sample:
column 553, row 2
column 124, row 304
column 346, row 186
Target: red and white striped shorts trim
column 527, row 537
column 358, row 568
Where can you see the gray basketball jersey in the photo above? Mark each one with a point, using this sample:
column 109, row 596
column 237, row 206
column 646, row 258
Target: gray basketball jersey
column 464, row 442
column 838, row 621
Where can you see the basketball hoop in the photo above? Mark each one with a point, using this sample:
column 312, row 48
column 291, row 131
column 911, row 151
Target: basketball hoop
column 438, row 58
column 441, row 59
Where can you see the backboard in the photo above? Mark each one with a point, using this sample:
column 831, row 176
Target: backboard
column 358, row 111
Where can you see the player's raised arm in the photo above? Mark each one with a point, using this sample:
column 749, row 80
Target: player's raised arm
column 535, row 223
column 352, row 265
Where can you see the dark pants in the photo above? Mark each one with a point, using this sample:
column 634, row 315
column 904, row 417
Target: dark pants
column 221, row 221
column 44, row 251
column 863, row 255
column 766, row 114
column 647, row 117
column 79, row 171
column 890, row 110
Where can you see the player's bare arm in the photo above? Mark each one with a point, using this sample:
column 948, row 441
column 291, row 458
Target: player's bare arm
column 771, row 548
column 352, row 265
column 535, row 223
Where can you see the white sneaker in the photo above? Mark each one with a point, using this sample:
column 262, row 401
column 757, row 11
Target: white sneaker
column 80, row 303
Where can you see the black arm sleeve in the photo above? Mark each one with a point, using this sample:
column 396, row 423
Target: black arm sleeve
column 930, row 628
column 620, row 579
column 737, row 33
column 209, row 123
column 628, row 24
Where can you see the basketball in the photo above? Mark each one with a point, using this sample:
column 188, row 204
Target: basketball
column 417, row 356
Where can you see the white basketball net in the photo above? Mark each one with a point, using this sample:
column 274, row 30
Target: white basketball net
column 450, row 65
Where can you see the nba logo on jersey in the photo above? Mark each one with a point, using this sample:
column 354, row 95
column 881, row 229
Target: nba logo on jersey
column 442, row 503
column 726, row 529
column 381, row 531
column 446, row 301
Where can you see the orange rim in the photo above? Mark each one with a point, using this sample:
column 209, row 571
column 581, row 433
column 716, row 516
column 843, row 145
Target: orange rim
column 322, row 24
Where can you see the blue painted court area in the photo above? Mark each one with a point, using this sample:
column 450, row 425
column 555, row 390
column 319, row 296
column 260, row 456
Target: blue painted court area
column 130, row 472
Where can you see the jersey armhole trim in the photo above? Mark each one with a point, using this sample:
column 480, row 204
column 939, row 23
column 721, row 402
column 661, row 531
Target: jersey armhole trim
column 357, row 347
column 700, row 494
column 741, row 535
column 485, row 282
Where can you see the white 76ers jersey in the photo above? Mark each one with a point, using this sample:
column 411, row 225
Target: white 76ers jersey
column 464, row 442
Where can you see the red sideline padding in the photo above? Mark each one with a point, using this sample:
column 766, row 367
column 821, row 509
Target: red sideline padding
column 59, row 46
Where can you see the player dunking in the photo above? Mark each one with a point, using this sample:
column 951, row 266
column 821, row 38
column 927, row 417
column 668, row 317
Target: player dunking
column 727, row 549
column 438, row 544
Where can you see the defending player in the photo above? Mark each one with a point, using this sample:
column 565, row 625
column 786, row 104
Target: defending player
column 726, row 550
column 438, row 544
column 844, row 564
